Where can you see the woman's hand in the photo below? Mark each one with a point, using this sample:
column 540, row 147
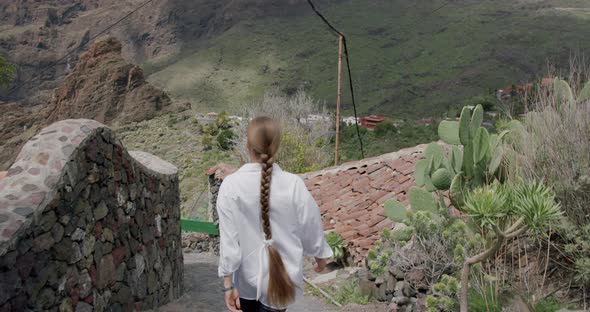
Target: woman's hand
column 320, row 264
column 232, row 300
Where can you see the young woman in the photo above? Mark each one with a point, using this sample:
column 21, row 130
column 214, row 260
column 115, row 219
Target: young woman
column 267, row 221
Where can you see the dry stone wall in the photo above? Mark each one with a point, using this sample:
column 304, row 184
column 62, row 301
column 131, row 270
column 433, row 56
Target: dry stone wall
column 87, row 226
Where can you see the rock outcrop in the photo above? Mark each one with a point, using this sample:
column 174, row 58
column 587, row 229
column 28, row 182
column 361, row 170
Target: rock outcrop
column 103, row 86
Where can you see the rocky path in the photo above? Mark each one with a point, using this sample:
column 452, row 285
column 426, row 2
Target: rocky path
column 202, row 289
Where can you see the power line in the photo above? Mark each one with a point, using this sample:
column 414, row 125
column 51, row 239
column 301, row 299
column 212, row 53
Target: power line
column 447, row 2
column 358, row 133
column 53, row 64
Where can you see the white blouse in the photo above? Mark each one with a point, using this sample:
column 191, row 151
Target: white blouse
column 296, row 228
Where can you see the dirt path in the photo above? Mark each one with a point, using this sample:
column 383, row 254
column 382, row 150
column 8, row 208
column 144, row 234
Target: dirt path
column 202, row 289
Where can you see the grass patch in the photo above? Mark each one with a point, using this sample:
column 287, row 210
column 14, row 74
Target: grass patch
column 346, row 293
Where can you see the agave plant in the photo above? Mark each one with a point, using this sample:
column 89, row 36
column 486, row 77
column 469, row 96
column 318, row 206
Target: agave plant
column 509, row 210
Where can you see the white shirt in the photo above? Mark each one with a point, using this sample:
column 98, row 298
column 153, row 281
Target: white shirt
column 296, row 228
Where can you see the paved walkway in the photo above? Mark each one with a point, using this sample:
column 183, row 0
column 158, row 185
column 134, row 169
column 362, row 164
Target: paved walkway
column 202, row 289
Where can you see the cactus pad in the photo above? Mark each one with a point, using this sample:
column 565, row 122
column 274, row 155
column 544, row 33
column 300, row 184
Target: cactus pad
column 481, row 145
column 476, row 120
column 464, row 121
column 395, row 210
column 448, row 131
column 441, row 179
column 422, row 200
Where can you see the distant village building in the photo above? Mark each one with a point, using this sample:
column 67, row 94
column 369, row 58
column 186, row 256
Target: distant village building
column 370, row 122
column 212, row 115
column 314, row 118
column 349, row 121
column 522, row 89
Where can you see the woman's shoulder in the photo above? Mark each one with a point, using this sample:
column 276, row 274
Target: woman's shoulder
column 288, row 176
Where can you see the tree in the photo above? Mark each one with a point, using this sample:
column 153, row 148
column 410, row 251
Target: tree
column 306, row 130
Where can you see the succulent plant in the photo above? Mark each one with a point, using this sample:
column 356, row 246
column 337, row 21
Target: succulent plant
column 476, row 158
column 479, row 161
column 442, row 178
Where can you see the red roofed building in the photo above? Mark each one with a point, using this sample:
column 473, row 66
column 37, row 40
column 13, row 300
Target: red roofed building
column 370, row 122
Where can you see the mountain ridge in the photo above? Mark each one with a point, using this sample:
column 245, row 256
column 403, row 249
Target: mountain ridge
column 408, row 59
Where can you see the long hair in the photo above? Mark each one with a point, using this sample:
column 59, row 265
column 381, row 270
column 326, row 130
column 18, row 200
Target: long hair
column 264, row 137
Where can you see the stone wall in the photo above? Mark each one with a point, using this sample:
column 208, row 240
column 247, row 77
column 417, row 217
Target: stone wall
column 85, row 225
column 200, row 242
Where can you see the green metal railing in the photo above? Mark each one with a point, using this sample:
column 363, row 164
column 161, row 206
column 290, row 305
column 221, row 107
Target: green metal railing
column 199, row 227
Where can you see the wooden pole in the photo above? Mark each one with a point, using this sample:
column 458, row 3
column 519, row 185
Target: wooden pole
column 340, row 44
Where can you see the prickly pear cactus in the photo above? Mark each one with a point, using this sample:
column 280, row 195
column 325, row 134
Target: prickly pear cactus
column 478, row 162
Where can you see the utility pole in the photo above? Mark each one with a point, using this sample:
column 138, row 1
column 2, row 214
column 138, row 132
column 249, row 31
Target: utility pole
column 340, row 43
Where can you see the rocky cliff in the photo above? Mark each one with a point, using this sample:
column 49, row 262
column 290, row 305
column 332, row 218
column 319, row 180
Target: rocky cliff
column 102, row 86
column 106, row 88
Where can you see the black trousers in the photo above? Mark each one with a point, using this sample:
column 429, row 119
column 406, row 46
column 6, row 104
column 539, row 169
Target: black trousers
column 256, row 306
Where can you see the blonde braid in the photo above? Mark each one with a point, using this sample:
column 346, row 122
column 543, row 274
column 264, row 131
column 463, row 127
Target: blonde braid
column 266, row 177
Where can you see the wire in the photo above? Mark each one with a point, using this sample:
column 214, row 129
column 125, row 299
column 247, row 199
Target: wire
column 53, row 64
column 358, row 132
column 447, row 2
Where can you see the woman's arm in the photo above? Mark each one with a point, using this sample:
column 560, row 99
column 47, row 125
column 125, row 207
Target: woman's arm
column 311, row 226
column 228, row 282
column 229, row 247
column 232, row 297
column 229, row 244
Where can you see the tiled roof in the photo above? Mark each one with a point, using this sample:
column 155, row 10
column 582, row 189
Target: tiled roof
column 351, row 195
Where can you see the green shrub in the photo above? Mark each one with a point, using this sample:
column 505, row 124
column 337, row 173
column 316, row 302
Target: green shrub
column 207, row 141
column 385, row 128
column 338, row 247
column 225, row 139
column 488, row 102
column 444, row 295
column 222, row 121
column 350, row 293
column 296, row 156
column 478, row 302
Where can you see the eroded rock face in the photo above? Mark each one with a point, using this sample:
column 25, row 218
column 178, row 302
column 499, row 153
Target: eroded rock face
column 86, row 226
column 103, row 86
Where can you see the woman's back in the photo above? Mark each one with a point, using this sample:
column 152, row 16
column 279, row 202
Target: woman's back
column 267, row 222
column 296, row 228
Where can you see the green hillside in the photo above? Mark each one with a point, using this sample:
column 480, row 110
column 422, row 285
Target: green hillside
column 406, row 62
